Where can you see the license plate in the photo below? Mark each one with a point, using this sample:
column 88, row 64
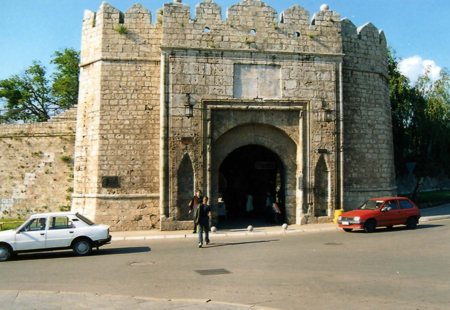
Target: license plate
column 345, row 223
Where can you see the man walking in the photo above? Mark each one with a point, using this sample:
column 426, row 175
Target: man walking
column 193, row 204
column 201, row 219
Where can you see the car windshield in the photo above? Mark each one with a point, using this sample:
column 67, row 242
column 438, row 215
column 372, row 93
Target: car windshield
column 85, row 219
column 371, row 205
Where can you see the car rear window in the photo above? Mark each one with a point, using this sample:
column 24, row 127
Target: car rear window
column 405, row 204
column 85, row 219
column 61, row 222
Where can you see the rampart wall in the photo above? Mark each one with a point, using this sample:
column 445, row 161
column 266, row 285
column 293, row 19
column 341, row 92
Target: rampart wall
column 36, row 162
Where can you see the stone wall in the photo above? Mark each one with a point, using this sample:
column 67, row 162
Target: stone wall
column 117, row 145
column 288, row 64
column 36, row 162
column 368, row 140
column 285, row 78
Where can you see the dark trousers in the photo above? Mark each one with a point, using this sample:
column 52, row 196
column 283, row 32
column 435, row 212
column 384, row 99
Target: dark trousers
column 200, row 228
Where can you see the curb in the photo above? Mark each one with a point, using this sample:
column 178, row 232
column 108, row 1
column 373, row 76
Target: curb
column 434, row 218
column 219, row 234
column 118, row 237
column 25, row 299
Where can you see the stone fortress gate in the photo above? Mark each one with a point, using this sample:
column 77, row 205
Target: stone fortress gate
column 259, row 102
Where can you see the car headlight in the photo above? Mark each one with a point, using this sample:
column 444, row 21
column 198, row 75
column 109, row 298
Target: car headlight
column 356, row 219
column 340, row 218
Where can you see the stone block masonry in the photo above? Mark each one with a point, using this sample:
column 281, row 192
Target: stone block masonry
column 36, row 166
column 311, row 91
column 165, row 108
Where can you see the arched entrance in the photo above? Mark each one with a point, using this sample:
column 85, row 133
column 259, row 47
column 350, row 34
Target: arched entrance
column 251, row 144
column 247, row 176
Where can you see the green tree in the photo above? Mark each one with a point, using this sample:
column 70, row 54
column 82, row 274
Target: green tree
column 65, row 78
column 33, row 97
column 433, row 148
column 403, row 98
column 421, row 121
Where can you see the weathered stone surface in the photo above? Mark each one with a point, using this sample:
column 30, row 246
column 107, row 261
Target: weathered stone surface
column 315, row 94
column 36, row 162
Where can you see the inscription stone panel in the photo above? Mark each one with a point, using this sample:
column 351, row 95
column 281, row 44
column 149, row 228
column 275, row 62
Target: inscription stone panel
column 257, row 81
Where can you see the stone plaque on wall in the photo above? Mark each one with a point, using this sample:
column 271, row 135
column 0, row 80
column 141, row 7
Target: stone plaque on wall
column 257, row 81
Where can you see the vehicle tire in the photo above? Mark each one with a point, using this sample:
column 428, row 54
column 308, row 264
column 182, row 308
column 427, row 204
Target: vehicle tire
column 5, row 252
column 411, row 223
column 347, row 229
column 82, row 247
column 370, row 226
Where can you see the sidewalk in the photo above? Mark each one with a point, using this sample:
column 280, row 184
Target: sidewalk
column 435, row 213
column 257, row 231
column 40, row 300
column 428, row 214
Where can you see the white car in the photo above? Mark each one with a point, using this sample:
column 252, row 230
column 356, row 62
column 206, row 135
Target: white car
column 54, row 231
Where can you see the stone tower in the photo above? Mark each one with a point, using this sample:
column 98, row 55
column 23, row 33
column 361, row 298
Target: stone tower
column 258, row 104
column 368, row 145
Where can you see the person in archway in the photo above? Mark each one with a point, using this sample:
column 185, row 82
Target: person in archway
column 201, row 218
column 249, row 206
column 193, row 204
column 277, row 207
column 269, row 207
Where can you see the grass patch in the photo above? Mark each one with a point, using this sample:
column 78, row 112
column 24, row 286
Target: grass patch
column 6, row 224
column 429, row 199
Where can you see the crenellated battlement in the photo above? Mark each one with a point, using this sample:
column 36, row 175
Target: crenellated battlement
column 108, row 15
column 249, row 25
column 365, row 47
column 367, row 32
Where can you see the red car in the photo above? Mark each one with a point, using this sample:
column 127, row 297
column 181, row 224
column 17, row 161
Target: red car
column 381, row 212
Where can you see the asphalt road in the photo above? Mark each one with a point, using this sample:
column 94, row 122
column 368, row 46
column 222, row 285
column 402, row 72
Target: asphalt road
column 398, row 269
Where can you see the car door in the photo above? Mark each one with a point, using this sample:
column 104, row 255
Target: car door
column 389, row 213
column 393, row 212
column 60, row 232
column 32, row 235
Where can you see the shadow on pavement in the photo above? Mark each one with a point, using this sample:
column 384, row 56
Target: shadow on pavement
column 218, row 244
column 398, row 229
column 69, row 253
column 127, row 250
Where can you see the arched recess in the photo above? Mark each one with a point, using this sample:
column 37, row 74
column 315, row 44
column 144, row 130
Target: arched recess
column 185, row 188
column 321, row 188
column 266, row 136
column 247, row 176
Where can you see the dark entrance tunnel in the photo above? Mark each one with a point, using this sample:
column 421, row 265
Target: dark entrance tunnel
column 251, row 170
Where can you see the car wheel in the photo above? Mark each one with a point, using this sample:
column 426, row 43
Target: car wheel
column 411, row 223
column 347, row 229
column 370, row 226
column 5, row 252
column 82, row 247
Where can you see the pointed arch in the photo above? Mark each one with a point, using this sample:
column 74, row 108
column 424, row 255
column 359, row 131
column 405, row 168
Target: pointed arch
column 185, row 187
column 321, row 188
